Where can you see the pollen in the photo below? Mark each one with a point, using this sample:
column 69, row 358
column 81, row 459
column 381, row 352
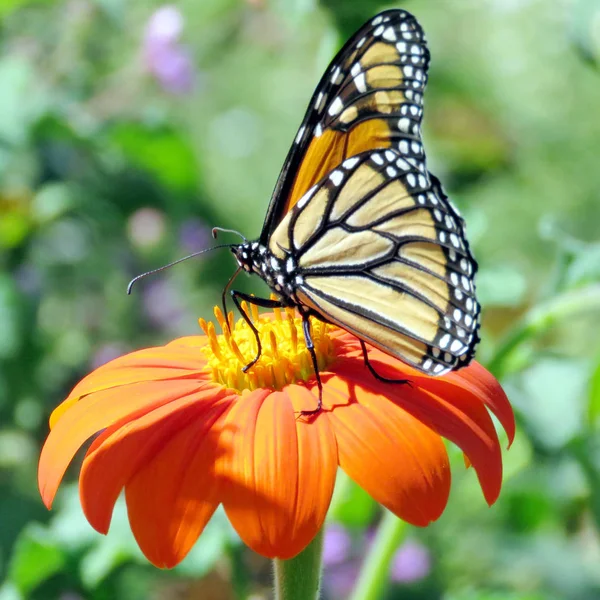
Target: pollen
column 284, row 356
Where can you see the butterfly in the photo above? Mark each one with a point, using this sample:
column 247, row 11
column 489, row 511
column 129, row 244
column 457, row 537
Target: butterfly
column 358, row 232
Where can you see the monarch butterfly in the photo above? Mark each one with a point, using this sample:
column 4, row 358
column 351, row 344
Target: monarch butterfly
column 358, row 232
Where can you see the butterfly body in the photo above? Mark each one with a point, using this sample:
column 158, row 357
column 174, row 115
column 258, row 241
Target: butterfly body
column 279, row 274
column 358, row 232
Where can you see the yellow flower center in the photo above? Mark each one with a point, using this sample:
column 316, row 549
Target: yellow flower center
column 284, row 358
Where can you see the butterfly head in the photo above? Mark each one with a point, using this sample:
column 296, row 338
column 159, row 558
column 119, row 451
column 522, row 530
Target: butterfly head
column 248, row 255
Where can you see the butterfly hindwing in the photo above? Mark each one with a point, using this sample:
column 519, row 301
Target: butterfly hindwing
column 381, row 251
column 370, row 97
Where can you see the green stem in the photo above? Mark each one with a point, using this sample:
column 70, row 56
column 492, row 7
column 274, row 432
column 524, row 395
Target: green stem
column 299, row 578
column 373, row 576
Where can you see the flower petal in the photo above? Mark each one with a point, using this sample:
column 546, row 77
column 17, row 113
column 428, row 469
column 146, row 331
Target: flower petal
column 179, row 359
column 97, row 411
column 280, row 472
column 483, row 384
column 171, row 498
column 397, row 459
column 125, row 447
column 449, row 408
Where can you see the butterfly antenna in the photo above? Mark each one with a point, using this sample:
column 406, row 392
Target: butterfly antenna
column 175, row 262
column 217, row 229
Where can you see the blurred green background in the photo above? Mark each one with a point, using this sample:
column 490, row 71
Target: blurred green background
column 129, row 128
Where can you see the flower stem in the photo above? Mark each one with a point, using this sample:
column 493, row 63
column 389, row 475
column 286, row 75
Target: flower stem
column 299, row 578
column 373, row 576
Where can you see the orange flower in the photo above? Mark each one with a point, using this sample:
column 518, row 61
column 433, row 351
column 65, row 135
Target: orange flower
column 182, row 430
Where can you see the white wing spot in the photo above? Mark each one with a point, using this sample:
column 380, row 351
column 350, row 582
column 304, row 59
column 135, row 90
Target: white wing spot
column 336, row 177
column 289, row 265
column 376, row 158
column 457, row 314
column 391, row 172
column 304, row 200
column 456, row 346
column 300, row 134
column 411, row 180
column 336, row 106
column 360, row 82
column 404, row 124
column 378, row 31
column 377, row 20
column 404, row 166
column 389, row 34
column 350, row 162
column 319, row 102
column 390, row 155
column 336, row 76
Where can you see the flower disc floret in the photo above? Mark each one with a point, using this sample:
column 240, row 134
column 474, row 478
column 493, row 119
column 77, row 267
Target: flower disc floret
column 284, row 357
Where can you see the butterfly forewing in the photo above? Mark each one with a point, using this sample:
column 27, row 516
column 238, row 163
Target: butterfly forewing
column 381, row 252
column 369, row 98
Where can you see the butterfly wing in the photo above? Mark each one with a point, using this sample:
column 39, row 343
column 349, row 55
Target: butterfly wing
column 370, row 97
column 381, row 252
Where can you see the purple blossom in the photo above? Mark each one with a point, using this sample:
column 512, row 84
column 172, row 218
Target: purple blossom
column 411, row 563
column 163, row 304
column 106, row 353
column 336, row 545
column 165, row 57
column 194, row 235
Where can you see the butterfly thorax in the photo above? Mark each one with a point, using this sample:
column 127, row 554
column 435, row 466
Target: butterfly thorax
column 280, row 275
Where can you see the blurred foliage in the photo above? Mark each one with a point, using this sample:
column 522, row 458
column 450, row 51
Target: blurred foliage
column 117, row 157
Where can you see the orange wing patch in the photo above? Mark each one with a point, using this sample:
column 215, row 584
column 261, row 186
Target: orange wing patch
column 370, row 98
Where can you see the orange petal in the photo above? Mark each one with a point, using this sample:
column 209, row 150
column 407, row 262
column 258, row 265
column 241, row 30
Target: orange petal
column 452, row 410
column 483, row 384
column 171, row 498
column 98, row 411
column 173, row 361
column 397, row 459
column 125, row 447
column 280, row 471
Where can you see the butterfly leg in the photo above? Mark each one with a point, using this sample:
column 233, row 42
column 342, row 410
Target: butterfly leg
column 374, row 372
column 313, row 355
column 224, row 296
column 237, row 297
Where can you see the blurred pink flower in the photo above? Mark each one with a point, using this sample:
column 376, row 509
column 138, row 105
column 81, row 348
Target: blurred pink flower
column 165, row 57
column 336, row 545
column 411, row 562
column 194, row 235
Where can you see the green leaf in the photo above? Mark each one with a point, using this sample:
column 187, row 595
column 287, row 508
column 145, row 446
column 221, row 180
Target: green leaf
column 36, row 558
column 501, row 286
column 160, row 151
column 551, row 402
